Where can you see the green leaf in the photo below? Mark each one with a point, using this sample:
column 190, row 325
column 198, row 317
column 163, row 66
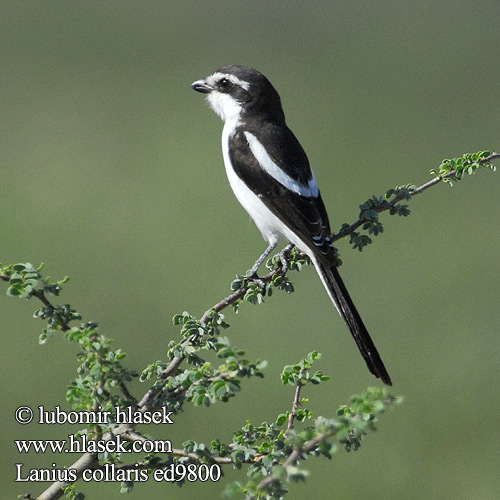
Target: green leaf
column 15, row 290
column 282, row 418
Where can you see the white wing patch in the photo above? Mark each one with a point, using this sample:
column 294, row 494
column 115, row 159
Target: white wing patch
column 265, row 161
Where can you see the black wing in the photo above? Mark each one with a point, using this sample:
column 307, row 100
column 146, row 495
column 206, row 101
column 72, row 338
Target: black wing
column 305, row 215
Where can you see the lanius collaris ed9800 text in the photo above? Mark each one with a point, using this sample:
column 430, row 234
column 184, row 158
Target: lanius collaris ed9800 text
column 270, row 175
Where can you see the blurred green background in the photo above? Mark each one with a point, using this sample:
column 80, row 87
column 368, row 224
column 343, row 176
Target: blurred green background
column 111, row 172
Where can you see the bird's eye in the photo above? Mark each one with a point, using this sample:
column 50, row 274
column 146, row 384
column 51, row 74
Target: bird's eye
column 225, row 84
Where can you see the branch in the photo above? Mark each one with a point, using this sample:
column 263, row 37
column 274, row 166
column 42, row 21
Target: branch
column 293, row 458
column 54, row 491
column 231, row 299
column 40, row 295
column 452, row 174
column 295, row 405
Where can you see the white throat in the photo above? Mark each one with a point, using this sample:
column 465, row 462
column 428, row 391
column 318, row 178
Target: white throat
column 224, row 105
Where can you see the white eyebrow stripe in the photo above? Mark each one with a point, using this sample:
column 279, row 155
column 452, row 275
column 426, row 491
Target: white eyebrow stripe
column 232, row 78
column 265, row 161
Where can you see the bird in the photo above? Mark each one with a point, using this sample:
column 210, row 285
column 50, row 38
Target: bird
column 270, row 175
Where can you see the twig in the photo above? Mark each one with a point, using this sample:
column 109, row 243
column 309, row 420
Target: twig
column 294, row 457
column 40, row 295
column 124, row 389
column 295, row 405
column 54, row 491
column 452, row 173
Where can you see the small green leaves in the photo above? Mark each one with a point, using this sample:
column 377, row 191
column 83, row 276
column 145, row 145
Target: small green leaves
column 281, row 283
column 196, row 335
column 190, row 326
column 254, row 293
column 100, row 370
column 238, row 283
column 300, row 415
column 71, row 493
column 369, row 215
column 152, row 370
column 359, row 241
column 292, row 374
column 454, row 169
column 256, row 288
column 126, row 487
column 281, row 419
column 202, row 384
column 269, row 454
column 58, row 319
column 25, row 282
column 22, row 278
column 400, row 192
column 295, row 259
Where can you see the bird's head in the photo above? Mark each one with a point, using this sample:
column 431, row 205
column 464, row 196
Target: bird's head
column 235, row 92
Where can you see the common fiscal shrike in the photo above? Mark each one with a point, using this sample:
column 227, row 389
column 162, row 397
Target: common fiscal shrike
column 270, row 175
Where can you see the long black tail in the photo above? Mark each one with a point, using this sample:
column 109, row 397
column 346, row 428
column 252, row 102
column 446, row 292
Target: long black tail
column 340, row 297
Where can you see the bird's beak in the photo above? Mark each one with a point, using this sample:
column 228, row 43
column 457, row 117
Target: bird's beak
column 201, row 86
